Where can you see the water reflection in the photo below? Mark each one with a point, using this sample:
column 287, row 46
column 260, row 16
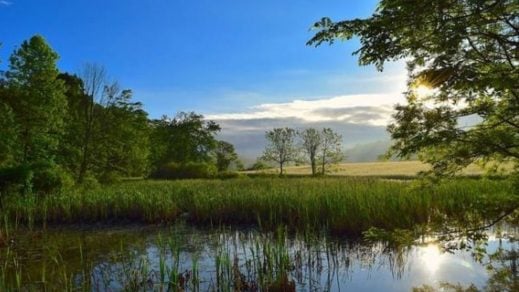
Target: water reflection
column 431, row 258
column 194, row 259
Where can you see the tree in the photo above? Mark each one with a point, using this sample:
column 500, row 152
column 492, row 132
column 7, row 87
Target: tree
column 8, row 129
column 281, row 147
column 330, row 150
column 70, row 151
column 8, row 132
column 185, row 138
column 311, row 142
column 37, row 100
column 94, row 82
column 122, row 138
column 225, row 155
column 463, row 62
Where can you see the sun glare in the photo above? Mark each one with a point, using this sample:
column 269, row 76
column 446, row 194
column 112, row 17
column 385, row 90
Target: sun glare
column 431, row 258
column 423, row 90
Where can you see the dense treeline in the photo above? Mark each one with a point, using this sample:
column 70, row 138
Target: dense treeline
column 59, row 129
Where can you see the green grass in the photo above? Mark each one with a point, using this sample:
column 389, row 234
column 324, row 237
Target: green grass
column 337, row 205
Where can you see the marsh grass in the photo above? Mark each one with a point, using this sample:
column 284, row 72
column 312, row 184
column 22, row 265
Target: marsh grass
column 336, row 205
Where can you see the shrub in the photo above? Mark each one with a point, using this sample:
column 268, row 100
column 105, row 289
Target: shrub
column 175, row 170
column 110, row 177
column 38, row 178
column 50, row 178
column 259, row 165
column 16, row 179
column 89, row 183
column 229, row 175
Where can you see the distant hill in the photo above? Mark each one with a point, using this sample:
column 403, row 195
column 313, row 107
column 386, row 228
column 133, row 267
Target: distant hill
column 367, row 152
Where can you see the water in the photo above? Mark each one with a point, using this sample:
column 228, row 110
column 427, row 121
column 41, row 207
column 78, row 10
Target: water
column 211, row 259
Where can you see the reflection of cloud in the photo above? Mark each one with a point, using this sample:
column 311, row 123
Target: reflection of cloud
column 366, row 109
column 5, row 2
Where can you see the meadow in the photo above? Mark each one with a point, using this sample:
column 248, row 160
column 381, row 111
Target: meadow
column 398, row 169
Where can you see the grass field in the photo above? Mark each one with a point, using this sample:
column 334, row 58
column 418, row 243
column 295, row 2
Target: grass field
column 379, row 168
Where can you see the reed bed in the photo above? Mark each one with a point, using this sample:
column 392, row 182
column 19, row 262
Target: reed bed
column 337, row 205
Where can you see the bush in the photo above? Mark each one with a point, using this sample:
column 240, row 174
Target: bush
column 37, row 178
column 110, row 178
column 229, row 175
column 175, row 170
column 49, row 178
column 89, row 183
column 259, row 165
column 16, row 179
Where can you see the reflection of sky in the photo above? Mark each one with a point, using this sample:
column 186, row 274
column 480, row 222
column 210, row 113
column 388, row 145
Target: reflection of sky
column 350, row 267
column 337, row 265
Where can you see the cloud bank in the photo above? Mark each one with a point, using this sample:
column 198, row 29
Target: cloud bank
column 362, row 109
column 358, row 118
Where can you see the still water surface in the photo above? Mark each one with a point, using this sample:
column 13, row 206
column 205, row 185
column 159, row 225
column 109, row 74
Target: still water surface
column 110, row 257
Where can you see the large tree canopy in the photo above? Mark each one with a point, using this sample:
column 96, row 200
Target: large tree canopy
column 467, row 53
column 187, row 137
column 37, row 99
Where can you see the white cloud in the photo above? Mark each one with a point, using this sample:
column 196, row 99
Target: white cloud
column 362, row 109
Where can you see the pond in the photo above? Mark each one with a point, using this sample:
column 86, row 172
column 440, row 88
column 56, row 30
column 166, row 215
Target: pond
column 215, row 259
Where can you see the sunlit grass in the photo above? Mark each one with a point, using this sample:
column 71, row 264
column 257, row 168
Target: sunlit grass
column 395, row 169
column 337, row 205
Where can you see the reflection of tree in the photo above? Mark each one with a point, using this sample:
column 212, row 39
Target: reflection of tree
column 502, row 266
column 467, row 232
column 254, row 258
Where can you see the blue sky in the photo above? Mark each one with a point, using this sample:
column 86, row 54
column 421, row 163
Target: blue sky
column 229, row 59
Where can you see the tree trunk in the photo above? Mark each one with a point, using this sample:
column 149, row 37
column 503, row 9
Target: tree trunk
column 281, row 168
column 84, row 164
column 323, row 163
column 314, row 166
column 86, row 141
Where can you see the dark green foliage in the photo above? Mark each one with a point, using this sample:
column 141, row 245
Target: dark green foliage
column 122, row 138
column 185, row 147
column 109, row 177
column 8, row 134
column 50, row 179
column 175, row 170
column 187, row 137
column 37, row 99
column 55, row 127
column 16, row 180
column 69, row 153
column 39, row 178
column 225, row 155
column 60, row 128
